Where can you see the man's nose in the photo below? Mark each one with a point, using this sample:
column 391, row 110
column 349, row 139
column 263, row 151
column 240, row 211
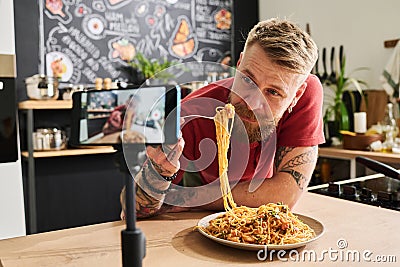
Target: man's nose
column 255, row 100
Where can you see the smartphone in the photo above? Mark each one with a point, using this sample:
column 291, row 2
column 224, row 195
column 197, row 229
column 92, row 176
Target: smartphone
column 145, row 115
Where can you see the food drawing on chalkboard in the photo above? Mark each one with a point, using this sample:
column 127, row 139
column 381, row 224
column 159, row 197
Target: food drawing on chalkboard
column 55, row 7
column 223, row 19
column 226, row 60
column 123, row 49
column 114, row 4
column 84, row 40
column 59, row 66
column 141, row 9
column 99, row 6
column 82, row 10
column 151, row 21
column 184, row 42
column 94, row 25
column 159, row 11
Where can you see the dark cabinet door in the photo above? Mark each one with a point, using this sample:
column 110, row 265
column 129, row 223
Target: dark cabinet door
column 8, row 125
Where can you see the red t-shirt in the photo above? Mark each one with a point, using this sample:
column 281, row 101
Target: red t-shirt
column 302, row 127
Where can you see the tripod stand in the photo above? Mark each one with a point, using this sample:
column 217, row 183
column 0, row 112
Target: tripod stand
column 133, row 241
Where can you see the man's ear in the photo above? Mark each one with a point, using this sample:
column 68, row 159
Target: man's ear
column 301, row 90
column 239, row 60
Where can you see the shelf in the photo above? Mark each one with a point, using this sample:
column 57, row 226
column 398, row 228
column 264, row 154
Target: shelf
column 100, row 110
column 70, row 152
column 45, row 104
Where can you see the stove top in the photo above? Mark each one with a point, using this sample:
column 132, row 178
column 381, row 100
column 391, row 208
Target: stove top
column 378, row 191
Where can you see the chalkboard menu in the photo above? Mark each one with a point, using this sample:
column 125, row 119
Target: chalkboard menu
column 83, row 40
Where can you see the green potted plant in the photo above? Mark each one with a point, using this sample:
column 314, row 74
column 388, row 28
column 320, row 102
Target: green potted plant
column 152, row 68
column 336, row 114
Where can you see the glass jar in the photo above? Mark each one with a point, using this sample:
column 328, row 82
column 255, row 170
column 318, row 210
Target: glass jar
column 389, row 128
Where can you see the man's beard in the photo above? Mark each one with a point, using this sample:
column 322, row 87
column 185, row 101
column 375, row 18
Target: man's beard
column 251, row 131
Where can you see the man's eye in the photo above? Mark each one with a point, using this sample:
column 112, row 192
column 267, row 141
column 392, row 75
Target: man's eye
column 273, row 92
column 248, row 81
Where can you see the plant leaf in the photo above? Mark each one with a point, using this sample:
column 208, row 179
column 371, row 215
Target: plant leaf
column 345, row 125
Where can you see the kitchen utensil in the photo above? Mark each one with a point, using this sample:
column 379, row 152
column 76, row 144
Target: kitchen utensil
column 341, row 57
column 332, row 76
column 308, row 30
column 379, row 167
column 49, row 139
column 316, row 71
column 324, row 76
column 41, row 87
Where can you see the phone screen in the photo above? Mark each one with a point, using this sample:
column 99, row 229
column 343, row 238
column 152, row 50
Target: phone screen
column 146, row 115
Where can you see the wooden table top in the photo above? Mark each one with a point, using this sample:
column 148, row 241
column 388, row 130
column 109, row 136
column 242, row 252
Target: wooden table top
column 172, row 241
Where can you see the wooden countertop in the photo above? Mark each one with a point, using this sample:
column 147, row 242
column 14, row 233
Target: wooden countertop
column 337, row 152
column 171, row 240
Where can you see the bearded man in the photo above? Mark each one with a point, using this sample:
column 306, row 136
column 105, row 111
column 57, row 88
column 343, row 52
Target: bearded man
column 278, row 127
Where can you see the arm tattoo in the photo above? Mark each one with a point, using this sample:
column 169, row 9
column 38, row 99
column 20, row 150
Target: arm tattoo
column 304, row 158
column 280, row 153
column 148, row 183
column 298, row 177
column 145, row 204
column 180, row 197
column 157, row 167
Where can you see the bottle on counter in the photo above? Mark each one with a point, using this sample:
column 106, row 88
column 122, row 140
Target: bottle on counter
column 98, row 83
column 107, row 83
column 325, row 171
column 390, row 128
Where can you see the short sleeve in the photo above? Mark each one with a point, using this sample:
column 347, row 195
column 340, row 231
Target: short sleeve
column 304, row 125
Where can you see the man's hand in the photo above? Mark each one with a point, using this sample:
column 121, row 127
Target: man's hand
column 115, row 119
column 165, row 159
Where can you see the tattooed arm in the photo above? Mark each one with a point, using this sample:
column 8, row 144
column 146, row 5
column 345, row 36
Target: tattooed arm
column 292, row 172
column 298, row 162
column 293, row 169
column 151, row 187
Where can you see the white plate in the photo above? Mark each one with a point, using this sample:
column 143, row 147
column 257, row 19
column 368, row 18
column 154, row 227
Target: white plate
column 317, row 226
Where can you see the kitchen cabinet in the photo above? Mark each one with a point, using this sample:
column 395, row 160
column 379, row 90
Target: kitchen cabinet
column 57, row 183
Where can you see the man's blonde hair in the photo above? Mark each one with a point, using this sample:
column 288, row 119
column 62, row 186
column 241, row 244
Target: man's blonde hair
column 286, row 44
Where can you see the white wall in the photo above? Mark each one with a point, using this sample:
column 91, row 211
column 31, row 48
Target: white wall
column 361, row 26
column 12, row 218
column 7, row 44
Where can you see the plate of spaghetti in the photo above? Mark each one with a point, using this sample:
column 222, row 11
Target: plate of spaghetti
column 272, row 225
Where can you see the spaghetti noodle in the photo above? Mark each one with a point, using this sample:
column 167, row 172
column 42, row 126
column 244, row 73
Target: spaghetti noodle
column 272, row 223
column 223, row 132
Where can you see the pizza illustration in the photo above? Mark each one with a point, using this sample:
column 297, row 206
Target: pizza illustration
column 183, row 42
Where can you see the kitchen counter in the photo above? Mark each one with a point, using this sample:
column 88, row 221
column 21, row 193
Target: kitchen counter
column 172, row 241
column 347, row 154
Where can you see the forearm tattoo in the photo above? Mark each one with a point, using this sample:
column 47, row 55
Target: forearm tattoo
column 289, row 167
column 148, row 184
column 181, row 197
column 157, row 167
column 280, row 153
column 145, row 205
